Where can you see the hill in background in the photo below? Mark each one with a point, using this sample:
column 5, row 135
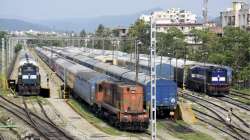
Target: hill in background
column 18, row 25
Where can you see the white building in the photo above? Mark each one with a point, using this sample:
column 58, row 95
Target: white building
column 146, row 18
column 184, row 20
column 172, row 16
column 175, row 16
column 237, row 16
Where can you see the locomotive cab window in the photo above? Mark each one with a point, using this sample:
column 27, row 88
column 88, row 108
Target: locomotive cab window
column 100, row 88
column 128, row 89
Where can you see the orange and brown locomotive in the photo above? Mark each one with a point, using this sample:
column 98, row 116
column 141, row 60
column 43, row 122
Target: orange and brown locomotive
column 122, row 104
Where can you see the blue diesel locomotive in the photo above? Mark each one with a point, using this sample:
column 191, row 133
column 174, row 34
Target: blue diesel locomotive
column 208, row 79
column 29, row 80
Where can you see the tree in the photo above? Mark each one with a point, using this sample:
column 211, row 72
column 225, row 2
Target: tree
column 210, row 43
column 18, row 47
column 83, row 33
column 115, row 33
column 103, row 33
column 100, row 31
column 2, row 35
column 141, row 31
column 170, row 43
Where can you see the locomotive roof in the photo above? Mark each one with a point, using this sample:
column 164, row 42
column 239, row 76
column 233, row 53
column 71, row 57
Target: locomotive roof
column 207, row 67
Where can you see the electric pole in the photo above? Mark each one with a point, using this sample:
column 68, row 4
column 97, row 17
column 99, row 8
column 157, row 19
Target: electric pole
column 153, row 78
column 3, row 57
column 3, row 66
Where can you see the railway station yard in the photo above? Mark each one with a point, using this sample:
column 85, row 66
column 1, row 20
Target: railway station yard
column 76, row 118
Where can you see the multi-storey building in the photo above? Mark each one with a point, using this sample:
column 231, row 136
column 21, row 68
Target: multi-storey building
column 184, row 20
column 175, row 16
column 237, row 16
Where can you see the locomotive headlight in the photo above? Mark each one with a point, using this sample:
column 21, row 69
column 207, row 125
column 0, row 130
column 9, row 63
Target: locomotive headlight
column 173, row 100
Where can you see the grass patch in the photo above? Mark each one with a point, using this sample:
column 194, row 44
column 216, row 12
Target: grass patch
column 181, row 130
column 3, row 82
column 246, row 90
column 42, row 100
column 4, row 92
column 98, row 123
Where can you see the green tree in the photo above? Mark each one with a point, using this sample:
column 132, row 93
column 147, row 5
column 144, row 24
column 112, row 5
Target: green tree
column 210, row 44
column 83, row 33
column 105, row 34
column 18, row 47
column 171, row 43
column 2, row 35
column 236, row 43
column 100, row 31
column 141, row 31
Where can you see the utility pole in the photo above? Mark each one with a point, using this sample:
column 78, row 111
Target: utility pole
column 184, row 71
column 113, row 51
column 7, row 53
column 3, row 57
column 85, row 44
column 103, row 48
column 205, row 12
column 93, row 45
column 137, row 54
column 153, row 77
column 3, row 63
column 11, row 49
column 205, row 80
column 64, row 79
column 176, row 62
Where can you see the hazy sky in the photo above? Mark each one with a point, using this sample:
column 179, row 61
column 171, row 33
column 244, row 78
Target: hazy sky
column 49, row 9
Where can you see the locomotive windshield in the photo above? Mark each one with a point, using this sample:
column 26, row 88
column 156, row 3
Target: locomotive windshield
column 31, row 70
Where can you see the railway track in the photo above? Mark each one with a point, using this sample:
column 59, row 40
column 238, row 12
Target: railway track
column 219, row 106
column 240, row 94
column 214, row 122
column 44, row 112
column 219, row 114
column 245, row 97
column 43, row 127
column 235, row 102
